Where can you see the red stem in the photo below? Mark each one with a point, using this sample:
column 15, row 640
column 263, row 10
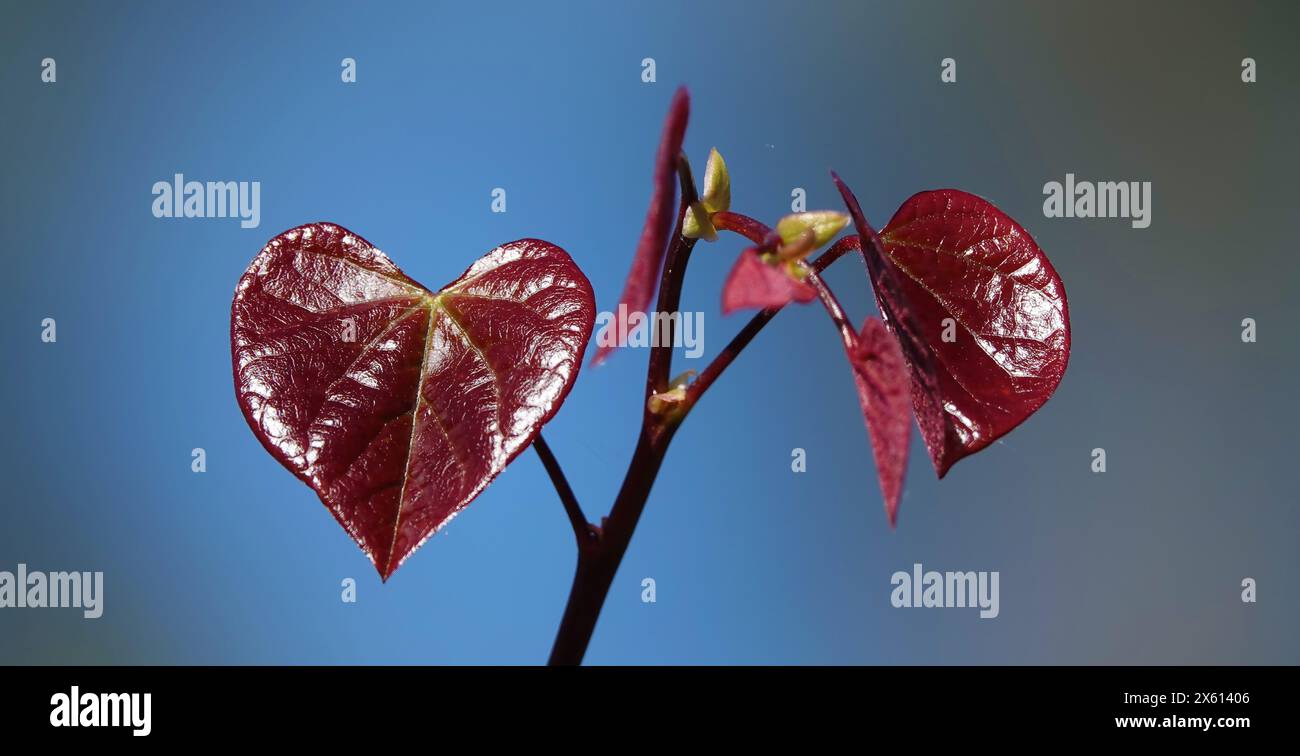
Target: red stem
column 598, row 565
column 585, row 533
column 670, row 285
column 833, row 308
column 755, row 231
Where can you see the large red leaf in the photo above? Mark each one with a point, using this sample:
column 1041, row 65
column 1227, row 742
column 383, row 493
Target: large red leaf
column 643, row 278
column 881, row 376
column 396, row 404
column 950, row 255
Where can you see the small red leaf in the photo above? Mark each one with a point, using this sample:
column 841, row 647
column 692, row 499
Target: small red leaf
column 398, row 405
column 753, row 284
column 950, row 256
column 884, row 388
column 650, row 250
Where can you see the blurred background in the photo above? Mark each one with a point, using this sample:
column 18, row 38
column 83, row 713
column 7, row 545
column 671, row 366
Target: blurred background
column 753, row 563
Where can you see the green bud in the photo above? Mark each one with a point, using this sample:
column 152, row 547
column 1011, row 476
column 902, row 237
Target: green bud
column 683, row 379
column 672, row 402
column 697, row 224
column 799, row 248
column 717, row 184
column 825, row 224
column 669, row 402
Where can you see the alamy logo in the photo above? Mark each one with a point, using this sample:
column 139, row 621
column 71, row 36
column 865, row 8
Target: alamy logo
column 214, row 199
column 39, row 590
column 77, row 709
column 946, row 589
column 1103, row 199
column 637, row 329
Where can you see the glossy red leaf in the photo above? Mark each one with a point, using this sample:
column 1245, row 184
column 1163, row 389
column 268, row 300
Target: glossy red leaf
column 949, row 254
column 396, row 404
column 639, row 289
column 753, row 284
column 884, row 391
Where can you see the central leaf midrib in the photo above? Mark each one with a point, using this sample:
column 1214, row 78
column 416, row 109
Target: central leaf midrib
column 410, row 443
column 436, row 307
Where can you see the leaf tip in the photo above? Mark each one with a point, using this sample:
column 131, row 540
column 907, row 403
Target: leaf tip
column 679, row 111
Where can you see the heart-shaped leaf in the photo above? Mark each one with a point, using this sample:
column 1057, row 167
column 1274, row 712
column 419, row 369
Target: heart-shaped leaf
column 978, row 311
column 755, row 284
column 396, row 404
column 884, row 389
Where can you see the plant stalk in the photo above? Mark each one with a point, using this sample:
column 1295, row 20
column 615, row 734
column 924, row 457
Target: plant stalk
column 599, row 559
column 597, row 566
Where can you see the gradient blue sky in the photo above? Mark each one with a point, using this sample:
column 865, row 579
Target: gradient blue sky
column 754, row 564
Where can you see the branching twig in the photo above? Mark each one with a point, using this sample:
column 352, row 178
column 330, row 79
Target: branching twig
column 598, row 565
column 586, row 533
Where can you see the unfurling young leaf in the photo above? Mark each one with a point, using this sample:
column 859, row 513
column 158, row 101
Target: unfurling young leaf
column 399, row 428
column 949, row 254
column 642, row 280
column 754, row 284
column 698, row 223
column 717, row 184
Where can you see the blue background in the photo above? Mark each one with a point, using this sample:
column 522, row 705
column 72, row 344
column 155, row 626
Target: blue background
column 753, row 563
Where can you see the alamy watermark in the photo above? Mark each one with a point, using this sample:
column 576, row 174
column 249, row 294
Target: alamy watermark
column 945, row 590
column 639, row 329
column 53, row 590
column 179, row 198
column 77, row 709
column 1101, row 199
